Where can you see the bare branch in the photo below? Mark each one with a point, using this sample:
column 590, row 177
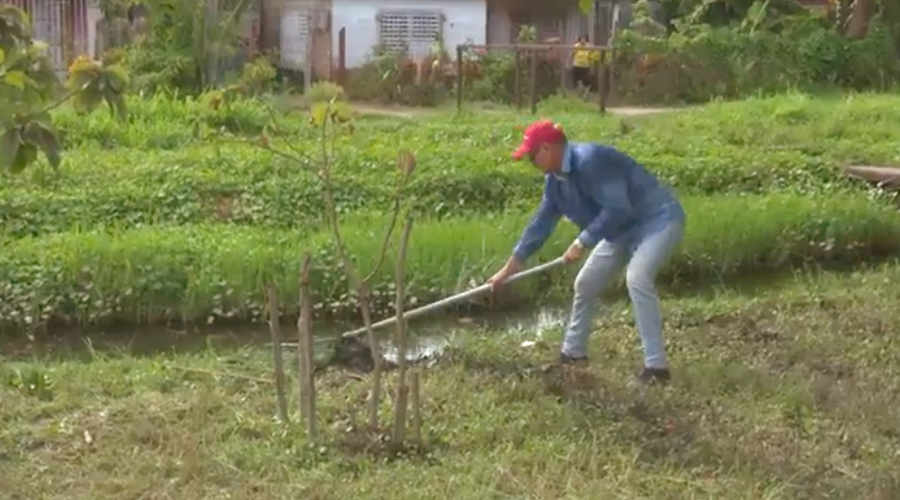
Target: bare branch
column 305, row 352
column 275, row 329
column 399, row 431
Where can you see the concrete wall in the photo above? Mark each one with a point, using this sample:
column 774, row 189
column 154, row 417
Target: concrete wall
column 464, row 21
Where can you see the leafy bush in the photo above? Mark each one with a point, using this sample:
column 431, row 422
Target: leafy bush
column 496, row 77
column 389, row 77
column 699, row 62
column 324, row 91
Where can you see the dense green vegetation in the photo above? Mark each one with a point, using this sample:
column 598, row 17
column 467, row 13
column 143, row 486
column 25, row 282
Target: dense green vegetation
column 176, row 213
column 164, row 218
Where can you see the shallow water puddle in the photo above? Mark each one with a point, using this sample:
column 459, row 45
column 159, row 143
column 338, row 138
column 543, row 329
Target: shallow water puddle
column 428, row 337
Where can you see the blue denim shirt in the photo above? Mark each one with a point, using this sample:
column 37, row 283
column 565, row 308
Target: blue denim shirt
column 607, row 194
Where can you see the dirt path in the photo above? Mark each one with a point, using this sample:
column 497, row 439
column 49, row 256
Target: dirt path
column 410, row 112
column 631, row 111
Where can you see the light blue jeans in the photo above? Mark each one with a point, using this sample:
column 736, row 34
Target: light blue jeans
column 643, row 262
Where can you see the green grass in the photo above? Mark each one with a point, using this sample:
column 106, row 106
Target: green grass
column 789, row 392
column 218, row 271
column 785, row 390
column 129, row 175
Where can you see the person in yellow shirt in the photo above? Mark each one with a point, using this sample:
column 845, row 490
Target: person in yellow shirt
column 581, row 63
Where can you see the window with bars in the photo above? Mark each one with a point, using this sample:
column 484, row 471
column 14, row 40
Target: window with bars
column 409, row 31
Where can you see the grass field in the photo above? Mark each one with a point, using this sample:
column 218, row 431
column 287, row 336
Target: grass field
column 784, row 389
column 787, row 392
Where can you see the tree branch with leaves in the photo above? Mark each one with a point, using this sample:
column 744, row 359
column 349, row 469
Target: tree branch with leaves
column 30, row 90
column 332, row 119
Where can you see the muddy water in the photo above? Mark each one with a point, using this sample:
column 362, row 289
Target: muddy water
column 429, row 334
column 428, row 337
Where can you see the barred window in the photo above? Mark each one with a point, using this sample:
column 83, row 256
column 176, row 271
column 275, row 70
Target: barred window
column 410, row 31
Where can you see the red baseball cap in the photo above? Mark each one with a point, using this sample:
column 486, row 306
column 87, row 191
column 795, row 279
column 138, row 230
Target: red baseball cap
column 539, row 132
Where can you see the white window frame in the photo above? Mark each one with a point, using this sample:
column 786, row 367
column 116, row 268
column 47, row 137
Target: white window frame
column 409, row 31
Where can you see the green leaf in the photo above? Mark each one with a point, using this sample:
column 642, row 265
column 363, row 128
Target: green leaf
column 16, row 79
column 2, row 57
column 45, row 139
column 118, row 77
column 25, row 156
column 342, row 111
column 89, row 98
column 586, row 6
column 10, row 142
column 116, row 103
column 318, row 113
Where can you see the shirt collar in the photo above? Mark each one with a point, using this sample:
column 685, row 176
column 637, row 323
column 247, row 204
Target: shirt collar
column 566, row 164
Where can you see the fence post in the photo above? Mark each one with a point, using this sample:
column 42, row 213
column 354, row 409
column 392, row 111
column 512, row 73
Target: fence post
column 602, row 81
column 534, row 81
column 459, row 77
column 517, row 80
column 342, row 56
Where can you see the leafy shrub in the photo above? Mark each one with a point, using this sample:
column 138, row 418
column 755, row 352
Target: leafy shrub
column 324, row 91
column 257, row 76
column 496, row 79
column 699, row 62
column 389, row 77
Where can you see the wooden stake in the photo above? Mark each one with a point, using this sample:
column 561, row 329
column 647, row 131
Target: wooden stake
column 398, row 435
column 416, row 408
column 275, row 329
column 305, row 352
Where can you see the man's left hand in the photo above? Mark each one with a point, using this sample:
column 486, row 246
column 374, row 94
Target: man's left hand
column 573, row 253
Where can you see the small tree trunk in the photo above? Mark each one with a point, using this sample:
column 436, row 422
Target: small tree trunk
column 416, row 408
column 398, row 435
column 861, row 13
column 377, row 364
column 275, row 329
column 305, row 352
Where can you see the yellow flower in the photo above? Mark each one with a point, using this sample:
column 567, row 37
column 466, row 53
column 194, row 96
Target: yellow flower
column 82, row 62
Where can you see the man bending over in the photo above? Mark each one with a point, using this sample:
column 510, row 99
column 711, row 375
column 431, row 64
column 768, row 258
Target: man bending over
column 627, row 219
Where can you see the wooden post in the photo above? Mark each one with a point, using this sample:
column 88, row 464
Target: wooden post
column 459, row 77
column 416, row 404
column 275, row 329
column 342, row 56
column 305, row 352
column 307, row 65
column 517, row 80
column 534, row 82
column 566, row 57
column 604, row 80
column 400, row 401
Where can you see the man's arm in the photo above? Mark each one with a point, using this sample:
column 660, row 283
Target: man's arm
column 608, row 187
column 538, row 230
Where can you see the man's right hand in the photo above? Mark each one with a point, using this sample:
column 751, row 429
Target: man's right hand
column 496, row 281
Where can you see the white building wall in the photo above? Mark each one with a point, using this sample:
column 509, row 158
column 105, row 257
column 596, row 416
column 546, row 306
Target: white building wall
column 465, row 21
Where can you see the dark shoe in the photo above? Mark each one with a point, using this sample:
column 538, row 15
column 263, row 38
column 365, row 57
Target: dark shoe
column 650, row 376
column 564, row 360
